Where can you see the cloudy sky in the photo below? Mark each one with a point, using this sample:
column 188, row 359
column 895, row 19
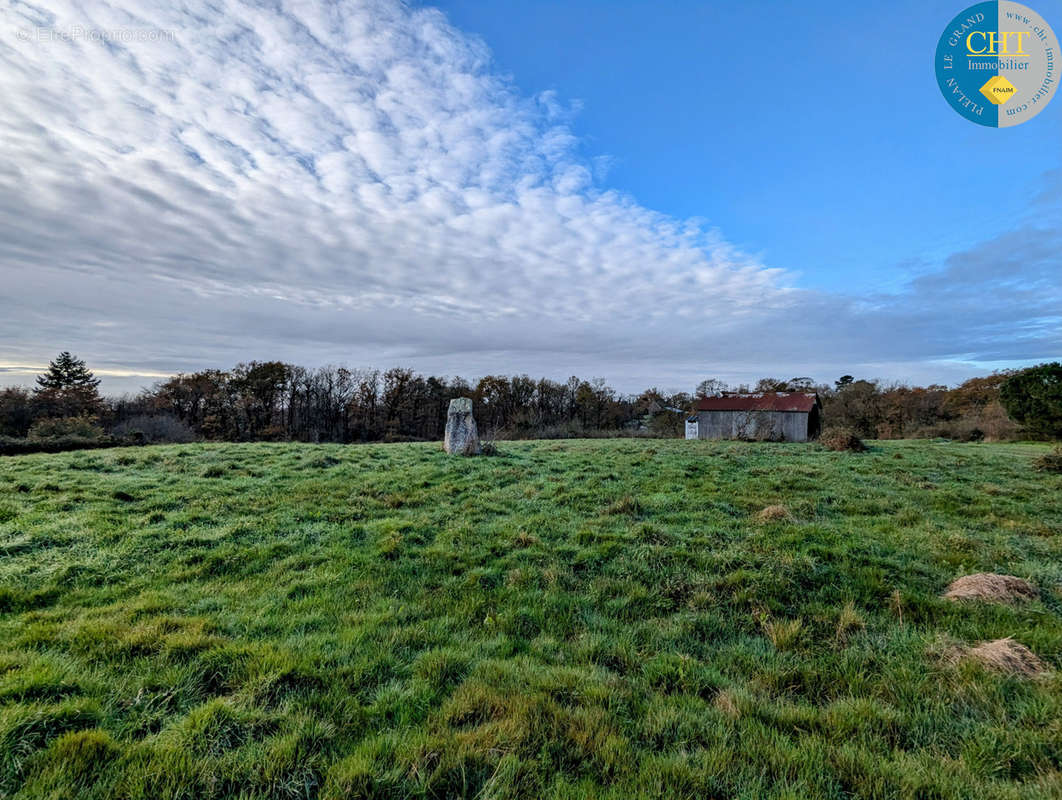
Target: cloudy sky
column 629, row 190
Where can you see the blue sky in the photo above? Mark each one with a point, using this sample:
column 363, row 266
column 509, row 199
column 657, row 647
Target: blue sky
column 702, row 108
column 653, row 193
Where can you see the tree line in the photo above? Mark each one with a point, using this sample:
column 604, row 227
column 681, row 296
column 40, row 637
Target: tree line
column 274, row 401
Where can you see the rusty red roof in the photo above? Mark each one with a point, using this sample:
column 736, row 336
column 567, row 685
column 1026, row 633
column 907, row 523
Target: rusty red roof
column 760, row 401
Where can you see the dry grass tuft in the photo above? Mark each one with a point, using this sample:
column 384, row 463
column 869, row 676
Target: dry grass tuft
column 727, row 704
column 842, row 439
column 1007, row 655
column 849, row 621
column 896, row 605
column 524, row 539
column 775, row 513
column 992, row 587
column 784, row 634
column 625, row 505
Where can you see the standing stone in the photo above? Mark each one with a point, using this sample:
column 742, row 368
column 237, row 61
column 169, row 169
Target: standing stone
column 462, row 437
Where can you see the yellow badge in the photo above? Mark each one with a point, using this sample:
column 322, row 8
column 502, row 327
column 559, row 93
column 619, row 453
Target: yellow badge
column 998, row 89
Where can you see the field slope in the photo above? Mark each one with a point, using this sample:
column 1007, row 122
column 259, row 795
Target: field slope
column 566, row 619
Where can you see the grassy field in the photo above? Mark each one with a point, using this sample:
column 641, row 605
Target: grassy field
column 573, row 619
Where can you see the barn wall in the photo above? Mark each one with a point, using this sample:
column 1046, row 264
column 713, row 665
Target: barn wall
column 790, row 426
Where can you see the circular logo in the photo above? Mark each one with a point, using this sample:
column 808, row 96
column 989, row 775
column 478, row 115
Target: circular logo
column 998, row 63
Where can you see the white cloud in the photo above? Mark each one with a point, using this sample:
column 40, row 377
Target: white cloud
column 352, row 182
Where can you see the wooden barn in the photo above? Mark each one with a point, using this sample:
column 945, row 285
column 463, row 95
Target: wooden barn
column 769, row 416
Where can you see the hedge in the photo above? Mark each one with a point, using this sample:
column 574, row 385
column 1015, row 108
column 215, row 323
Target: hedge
column 10, row 446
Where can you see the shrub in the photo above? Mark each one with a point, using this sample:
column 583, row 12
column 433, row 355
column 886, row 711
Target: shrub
column 993, row 420
column 15, row 447
column 1034, row 398
column 16, row 411
column 83, row 427
column 154, row 429
column 990, row 424
column 841, row 439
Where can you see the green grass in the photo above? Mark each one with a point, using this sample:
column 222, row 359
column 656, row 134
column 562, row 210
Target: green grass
column 578, row 619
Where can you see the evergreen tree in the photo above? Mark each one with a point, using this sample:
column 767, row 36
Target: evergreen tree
column 68, row 388
column 1033, row 397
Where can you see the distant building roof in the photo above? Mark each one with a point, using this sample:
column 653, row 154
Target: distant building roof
column 760, row 401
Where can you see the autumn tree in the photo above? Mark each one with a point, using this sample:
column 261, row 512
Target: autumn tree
column 709, row 387
column 976, row 394
column 856, row 405
column 16, row 411
column 259, row 389
column 771, row 385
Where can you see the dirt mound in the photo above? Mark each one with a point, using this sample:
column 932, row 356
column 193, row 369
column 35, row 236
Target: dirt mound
column 1006, row 655
column 774, row 514
column 841, row 439
column 992, row 587
column 1049, row 462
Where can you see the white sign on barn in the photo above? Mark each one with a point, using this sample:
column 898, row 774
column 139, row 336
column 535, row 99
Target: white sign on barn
column 691, row 428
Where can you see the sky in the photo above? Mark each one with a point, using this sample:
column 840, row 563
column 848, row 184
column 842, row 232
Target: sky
column 653, row 193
